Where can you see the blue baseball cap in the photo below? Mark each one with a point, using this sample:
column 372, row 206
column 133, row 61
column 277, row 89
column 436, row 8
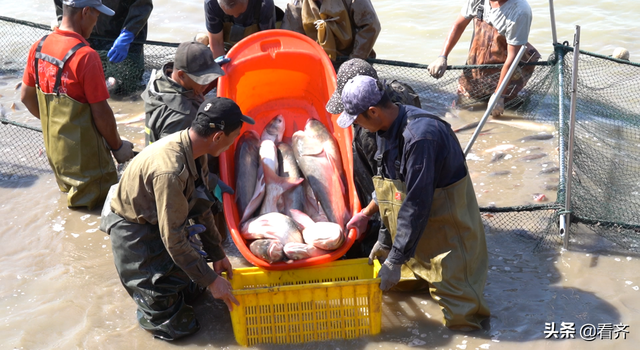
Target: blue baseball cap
column 96, row 4
column 358, row 94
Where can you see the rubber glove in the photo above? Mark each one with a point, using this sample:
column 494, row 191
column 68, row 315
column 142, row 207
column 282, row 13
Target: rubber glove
column 120, row 47
column 219, row 187
column 438, row 67
column 379, row 251
column 195, row 242
column 124, row 153
column 222, row 60
column 498, row 109
column 389, row 275
column 359, row 222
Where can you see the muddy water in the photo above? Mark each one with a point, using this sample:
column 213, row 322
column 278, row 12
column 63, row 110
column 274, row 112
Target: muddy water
column 59, row 288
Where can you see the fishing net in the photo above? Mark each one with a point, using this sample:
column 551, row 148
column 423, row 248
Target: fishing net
column 605, row 184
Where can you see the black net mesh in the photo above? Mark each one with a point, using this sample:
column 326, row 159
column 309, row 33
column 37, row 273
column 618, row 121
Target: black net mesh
column 605, row 183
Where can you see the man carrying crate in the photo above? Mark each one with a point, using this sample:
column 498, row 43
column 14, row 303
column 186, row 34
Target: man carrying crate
column 162, row 201
column 426, row 200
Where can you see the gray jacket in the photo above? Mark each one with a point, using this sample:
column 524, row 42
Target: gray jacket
column 168, row 106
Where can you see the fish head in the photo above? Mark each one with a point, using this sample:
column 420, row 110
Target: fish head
column 275, row 129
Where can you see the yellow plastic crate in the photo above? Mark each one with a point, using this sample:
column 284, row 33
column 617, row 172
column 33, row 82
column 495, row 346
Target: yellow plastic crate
column 337, row 300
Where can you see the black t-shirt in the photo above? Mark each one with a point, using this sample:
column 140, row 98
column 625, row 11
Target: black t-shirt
column 214, row 15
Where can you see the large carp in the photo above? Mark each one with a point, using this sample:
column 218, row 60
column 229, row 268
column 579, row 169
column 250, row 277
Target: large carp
column 272, row 226
column 297, row 251
column 319, row 159
column 275, row 185
column 247, row 162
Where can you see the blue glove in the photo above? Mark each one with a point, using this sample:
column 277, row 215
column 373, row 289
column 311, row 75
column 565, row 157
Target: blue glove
column 222, row 60
column 221, row 188
column 195, row 242
column 120, row 47
column 218, row 186
column 389, row 275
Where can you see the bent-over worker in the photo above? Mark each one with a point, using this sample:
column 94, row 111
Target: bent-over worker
column 163, row 199
column 501, row 27
column 425, row 197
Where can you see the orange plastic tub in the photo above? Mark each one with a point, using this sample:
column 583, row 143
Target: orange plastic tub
column 282, row 72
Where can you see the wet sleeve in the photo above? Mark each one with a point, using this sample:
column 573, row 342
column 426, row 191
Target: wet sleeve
column 367, row 28
column 137, row 17
column 420, row 181
column 92, row 76
column 518, row 31
column 267, row 15
column 213, row 16
column 173, row 208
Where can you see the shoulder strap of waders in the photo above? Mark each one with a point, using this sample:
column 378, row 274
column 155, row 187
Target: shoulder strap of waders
column 56, row 62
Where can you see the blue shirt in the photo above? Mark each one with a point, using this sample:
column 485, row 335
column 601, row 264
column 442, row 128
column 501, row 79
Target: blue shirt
column 431, row 158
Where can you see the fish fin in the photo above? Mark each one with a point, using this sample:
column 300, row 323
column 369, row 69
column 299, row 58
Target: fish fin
column 286, row 183
column 301, row 218
column 256, row 200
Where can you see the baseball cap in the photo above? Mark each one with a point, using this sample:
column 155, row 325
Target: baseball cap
column 196, row 60
column 97, row 4
column 348, row 70
column 221, row 113
column 358, row 94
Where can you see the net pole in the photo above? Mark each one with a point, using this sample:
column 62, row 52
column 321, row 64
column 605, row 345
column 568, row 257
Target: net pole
column 553, row 22
column 572, row 123
column 493, row 99
column 562, row 136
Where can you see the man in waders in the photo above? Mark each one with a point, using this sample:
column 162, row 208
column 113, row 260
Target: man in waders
column 113, row 38
column 364, row 145
column 501, row 27
column 342, row 27
column 229, row 21
column 172, row 98
column 63, row 86
column 161, row 205
column 426, row 199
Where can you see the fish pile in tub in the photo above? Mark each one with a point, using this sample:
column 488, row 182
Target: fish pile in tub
column 291, row 197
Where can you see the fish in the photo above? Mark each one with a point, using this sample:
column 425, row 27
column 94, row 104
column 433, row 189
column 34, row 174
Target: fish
column 551, row 187
column 498, row 156
column 110, row 82
column 18, row 86
column 274, row 131
column 467, row 127
column 270, row 250
column 256, row 199
column 275, row 185
column 533, row 156
column 537, row 137
column 323, row 235
column 523, row 124
column 319, row 159
column 532, row 148
column 499, row 148
column 293, row 198
column 272, row 226
column 3, row 112
column 500, row 173
column 539, row 197
column 13, row 107
column 550, row 170
column 247, row 163
column 297, row 251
